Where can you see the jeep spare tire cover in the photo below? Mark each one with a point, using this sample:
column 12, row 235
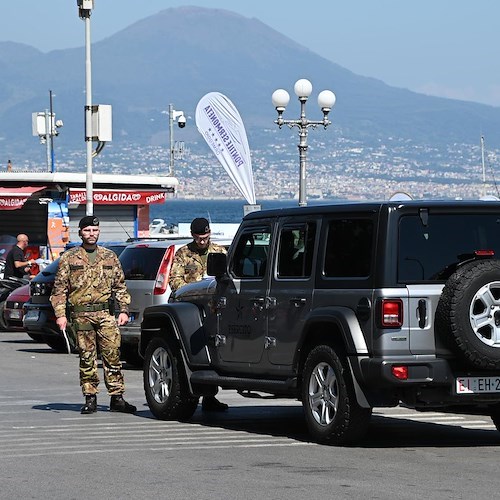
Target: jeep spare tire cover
column 468, row 313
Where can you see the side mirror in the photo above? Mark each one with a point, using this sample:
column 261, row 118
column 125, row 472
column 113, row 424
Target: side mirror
column 217, row 264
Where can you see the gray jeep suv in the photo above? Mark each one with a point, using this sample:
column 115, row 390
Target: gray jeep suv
column 345, row 307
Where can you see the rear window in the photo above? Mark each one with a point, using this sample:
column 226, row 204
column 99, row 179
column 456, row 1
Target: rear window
column 118, row 249
column 430, row 249
column 141, row 263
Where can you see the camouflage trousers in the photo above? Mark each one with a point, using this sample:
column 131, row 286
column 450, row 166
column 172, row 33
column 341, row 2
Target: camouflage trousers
column 98, row 331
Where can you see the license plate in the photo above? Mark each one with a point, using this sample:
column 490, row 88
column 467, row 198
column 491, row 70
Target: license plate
column 32, row 316
column 14, row 314
column 477, row 385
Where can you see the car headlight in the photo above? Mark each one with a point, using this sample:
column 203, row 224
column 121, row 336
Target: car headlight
column 40, row 289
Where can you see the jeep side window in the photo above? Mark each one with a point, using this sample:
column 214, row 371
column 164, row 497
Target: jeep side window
column 296, row 251
column 251, row 254
column 348, row 248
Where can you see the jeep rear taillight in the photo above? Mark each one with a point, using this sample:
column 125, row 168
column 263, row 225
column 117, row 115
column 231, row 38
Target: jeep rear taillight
column 392, row 313
column 400, row 372
column 484, row 253
column 161, row 282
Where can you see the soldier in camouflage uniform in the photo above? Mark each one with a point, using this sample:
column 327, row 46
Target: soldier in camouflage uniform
column 190, row 264
column 87, row 279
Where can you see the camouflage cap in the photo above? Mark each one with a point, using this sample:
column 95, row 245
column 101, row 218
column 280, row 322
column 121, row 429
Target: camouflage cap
column 200, row 226
column 88, row 220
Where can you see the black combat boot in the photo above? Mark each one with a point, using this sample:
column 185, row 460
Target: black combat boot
column 211, row 403
column 90, row 405
column 119, row 404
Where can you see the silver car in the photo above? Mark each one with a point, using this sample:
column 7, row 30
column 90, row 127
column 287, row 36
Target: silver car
column 146, row 265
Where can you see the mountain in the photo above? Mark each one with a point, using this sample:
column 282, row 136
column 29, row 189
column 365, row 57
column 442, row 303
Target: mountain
column 179, row 54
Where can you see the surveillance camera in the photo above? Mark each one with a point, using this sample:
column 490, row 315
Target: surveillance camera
column 181, row 121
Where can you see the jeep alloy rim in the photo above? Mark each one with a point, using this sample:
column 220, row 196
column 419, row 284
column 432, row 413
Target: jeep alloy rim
column 160, row 375
column 485, row 314
column 323, row 394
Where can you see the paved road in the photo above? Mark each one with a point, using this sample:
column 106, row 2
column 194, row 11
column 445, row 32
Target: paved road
column 258, row 449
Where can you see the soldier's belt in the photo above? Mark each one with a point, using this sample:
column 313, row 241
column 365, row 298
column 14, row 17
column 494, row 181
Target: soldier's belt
column 102, row 306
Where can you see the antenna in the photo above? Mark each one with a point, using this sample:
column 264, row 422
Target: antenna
column 124, row 230
column 482, row 163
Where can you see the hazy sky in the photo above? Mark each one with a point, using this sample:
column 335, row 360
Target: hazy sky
column 447, row 48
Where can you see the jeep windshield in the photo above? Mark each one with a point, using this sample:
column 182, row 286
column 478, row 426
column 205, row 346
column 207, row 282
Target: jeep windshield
column 430, row 248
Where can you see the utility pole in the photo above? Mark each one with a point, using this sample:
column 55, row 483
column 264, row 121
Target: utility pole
column 84, row 11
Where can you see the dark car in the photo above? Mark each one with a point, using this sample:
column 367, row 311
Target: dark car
column 39, row 319
column 346, row 307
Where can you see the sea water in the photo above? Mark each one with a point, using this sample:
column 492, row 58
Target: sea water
column 174, row 211
column 221, row 211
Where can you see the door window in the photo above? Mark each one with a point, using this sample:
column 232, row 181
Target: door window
column 251, row 254
column 296, row 251
column 349, row 248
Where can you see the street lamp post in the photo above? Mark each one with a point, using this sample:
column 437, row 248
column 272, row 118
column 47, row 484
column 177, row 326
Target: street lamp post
column 326, row 100
column 84, row 11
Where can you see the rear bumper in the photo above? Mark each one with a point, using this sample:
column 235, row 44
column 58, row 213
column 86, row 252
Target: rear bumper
column 378, row 371
column 430, row 383
column 41, row 320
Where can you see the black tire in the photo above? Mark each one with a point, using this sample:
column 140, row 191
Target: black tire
column 495, row 417
column 468, row 313
column 3, row 324
column 165, row 383
column 37, row 337
column 130, row 354
column 55, row 343
column 58, row 343
column 332, row 413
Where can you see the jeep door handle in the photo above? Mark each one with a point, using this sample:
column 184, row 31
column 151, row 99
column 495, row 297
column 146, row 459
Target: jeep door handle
column 264, row 302
column 259, row 302
column 298, row 301
column 422, row 313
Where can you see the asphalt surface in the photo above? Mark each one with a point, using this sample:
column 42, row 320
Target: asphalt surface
column 258, row 449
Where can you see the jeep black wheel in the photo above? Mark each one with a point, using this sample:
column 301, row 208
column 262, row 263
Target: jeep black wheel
column 469, row 313
column 495, row 416
column 165, row 382
column 331, row 410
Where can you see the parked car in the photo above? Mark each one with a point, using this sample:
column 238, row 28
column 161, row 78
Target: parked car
column 146, row 265
column 7, row 286
column 13, row 312
column 39, row 319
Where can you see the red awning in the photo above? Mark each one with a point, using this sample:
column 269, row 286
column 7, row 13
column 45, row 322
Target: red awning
column 118, row 196
column 14, row 198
